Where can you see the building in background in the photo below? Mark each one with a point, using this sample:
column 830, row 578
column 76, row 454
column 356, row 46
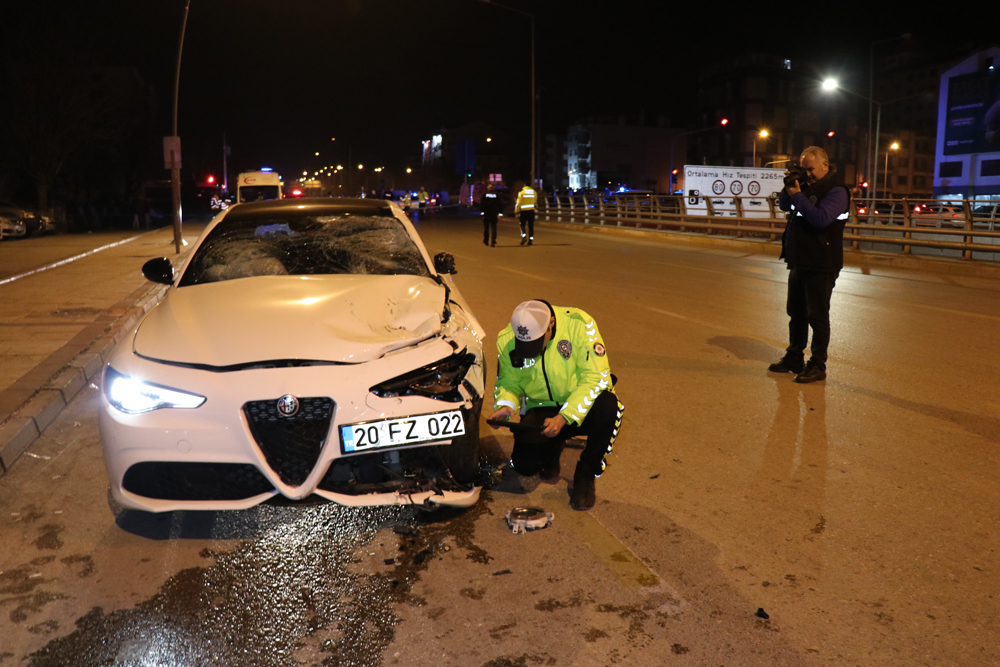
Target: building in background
column 967, row 152
column 466, row 154
column 610, row 154
column 554, row 171
column 760, row 93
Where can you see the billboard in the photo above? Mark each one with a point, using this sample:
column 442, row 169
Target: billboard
column 972, row 120
column 753, row 185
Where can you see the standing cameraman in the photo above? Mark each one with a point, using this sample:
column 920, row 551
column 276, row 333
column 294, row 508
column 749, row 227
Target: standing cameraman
column 813, row 248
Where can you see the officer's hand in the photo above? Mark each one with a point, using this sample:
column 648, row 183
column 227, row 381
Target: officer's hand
column 503, row 414
column 553, row 425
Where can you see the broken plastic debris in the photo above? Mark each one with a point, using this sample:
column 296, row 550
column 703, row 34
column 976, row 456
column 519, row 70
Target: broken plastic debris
column 761, row 613
column 526, row 519
column 390, row 561
column 420, row 557
column 501, row 572
column 408, row 531
column 654, row 476
column 38, row 456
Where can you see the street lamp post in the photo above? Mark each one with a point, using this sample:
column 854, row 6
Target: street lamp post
column 763, row 135
column 534, row 150
column 673, row 144
column 894, row 147
column 831, row 84
column 175, row 170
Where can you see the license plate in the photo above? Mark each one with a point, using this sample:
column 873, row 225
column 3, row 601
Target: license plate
column 402, row 431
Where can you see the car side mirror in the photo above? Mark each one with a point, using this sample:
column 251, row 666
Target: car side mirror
column 159, row 270
column 444, row 263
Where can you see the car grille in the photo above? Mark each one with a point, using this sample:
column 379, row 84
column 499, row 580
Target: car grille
column 291, row 445
column 183, row 480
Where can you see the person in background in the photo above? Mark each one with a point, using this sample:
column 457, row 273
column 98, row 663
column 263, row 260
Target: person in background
column 492, row 208
column 525, row 207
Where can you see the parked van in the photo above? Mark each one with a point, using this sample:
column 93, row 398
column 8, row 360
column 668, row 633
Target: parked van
column 257, row 186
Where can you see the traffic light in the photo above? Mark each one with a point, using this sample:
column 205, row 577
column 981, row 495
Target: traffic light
column 724, row 121
column 831, row 134
column 863, row 186
column 673, row 176
column 210, row 180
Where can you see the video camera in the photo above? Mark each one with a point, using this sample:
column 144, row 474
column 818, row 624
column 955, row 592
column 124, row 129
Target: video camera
column 796, row 172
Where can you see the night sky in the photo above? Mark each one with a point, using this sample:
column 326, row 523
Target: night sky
column 282, row 78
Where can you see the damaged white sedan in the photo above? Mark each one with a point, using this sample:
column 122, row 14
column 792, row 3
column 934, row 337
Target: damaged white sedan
column 305, row 347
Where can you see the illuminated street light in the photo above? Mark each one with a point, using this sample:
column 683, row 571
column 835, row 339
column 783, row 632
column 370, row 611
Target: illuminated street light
column 305, row 173
column 894, row 147
column 361, row 166
column 317, row 153
column 489, row 139
column 830, row 84
column 763, row 135
column 409, row 171
column 340, row 167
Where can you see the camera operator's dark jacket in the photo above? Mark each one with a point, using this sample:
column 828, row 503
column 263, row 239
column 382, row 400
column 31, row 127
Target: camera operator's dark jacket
column 814, row 234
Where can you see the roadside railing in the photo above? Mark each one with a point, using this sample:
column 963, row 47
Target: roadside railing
column 966, row 229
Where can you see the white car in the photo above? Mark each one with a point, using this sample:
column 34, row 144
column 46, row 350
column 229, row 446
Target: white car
column 307, row 346
column 11, row 228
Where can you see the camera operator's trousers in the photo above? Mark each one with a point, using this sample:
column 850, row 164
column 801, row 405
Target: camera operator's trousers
column 808, row 305
column 532, row 451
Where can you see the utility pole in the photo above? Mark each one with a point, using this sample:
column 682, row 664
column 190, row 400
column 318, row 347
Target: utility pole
column 175, row 158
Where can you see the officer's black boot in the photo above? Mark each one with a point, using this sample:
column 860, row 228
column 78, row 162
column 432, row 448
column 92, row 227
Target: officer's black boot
column 584, row 494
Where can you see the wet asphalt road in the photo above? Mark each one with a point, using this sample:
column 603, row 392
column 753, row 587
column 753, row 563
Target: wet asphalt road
column 860, row 513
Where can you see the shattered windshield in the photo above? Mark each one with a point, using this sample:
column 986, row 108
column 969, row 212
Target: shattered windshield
column 305, row 246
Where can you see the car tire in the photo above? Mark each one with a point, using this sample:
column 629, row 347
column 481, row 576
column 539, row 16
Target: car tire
column 462, row 455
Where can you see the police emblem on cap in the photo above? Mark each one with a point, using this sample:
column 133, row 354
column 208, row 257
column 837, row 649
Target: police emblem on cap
column 599, row 350
column 522, row 333
column 288, row 405
column 565, row 348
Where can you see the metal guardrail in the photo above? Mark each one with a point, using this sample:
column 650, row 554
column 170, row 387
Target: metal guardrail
column 969, row 229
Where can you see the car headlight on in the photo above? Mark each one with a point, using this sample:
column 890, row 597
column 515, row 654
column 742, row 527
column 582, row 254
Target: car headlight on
column 134, row 396
column 439, row 380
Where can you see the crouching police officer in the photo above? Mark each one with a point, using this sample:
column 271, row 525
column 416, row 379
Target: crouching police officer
column 554, row 358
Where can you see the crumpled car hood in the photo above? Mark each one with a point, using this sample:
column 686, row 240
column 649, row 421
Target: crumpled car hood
column 342, row 318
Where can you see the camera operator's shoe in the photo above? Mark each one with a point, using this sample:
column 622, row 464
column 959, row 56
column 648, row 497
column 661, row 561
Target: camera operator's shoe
column 531, row 241
column 788, row 364
column 524, row 239
column 584, row 493
column 814, row 372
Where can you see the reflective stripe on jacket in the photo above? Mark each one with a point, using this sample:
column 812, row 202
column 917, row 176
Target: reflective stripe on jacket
column 525, row 200
column 571, row 372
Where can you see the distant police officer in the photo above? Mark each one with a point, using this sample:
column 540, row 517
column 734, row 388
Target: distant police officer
column 492, row 207
column 553, row 357
column 422, row 198
column 525, row 206
column 813, row 248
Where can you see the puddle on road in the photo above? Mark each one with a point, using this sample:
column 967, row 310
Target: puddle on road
column 295, row 593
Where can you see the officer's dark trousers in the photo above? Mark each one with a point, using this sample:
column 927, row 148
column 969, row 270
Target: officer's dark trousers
column 489, row 229
column 533, row 451
column 808, row 306
column 528, row 220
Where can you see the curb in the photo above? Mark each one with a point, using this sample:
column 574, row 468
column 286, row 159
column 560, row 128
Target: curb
column 28, row 422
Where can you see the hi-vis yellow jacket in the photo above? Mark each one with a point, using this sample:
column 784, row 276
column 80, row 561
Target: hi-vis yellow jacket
column 571, row 372
column 525, row 199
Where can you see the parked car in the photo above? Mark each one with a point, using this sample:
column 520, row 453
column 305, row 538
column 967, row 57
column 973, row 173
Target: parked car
column 34, row 223
column 307, row 346
column 11, row 228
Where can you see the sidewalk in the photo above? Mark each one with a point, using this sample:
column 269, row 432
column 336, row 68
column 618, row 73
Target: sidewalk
column 59, row 325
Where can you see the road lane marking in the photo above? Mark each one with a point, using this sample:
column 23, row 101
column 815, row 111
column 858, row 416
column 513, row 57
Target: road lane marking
column 68, row 260
column 522, row 273
column 612, row 553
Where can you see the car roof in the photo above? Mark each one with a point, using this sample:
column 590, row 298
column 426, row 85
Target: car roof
column 310, row 206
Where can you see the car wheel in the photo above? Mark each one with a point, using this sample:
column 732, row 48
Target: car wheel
column 462, row 455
